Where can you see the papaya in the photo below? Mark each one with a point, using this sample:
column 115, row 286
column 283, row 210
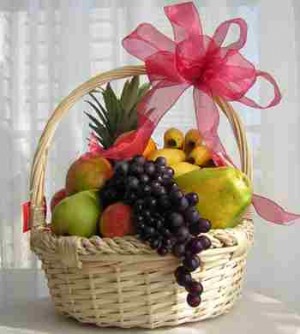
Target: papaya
column 224, row 194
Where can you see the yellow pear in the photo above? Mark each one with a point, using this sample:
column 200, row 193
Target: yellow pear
column 183, row 167
column 172, row 155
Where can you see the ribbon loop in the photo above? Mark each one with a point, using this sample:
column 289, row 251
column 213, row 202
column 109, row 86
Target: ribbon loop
column 185, row 21
column 222, row 31
column 277, row 96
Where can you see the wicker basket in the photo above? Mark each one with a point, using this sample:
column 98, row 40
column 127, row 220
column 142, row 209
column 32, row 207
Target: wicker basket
column 122, row 282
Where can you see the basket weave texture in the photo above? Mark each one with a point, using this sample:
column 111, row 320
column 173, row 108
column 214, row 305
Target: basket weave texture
column 121, row 281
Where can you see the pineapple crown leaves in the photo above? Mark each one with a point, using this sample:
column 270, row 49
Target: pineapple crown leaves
column 115, row 115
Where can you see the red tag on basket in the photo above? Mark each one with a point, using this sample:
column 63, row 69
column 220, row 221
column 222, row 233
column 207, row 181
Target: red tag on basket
column 26, row 214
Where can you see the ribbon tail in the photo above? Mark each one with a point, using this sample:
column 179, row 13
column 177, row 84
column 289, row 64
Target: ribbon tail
column 272, row 212
column 160, row 99
column 208, row 118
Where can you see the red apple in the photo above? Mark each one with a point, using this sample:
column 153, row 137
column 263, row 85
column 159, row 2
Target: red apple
column 116, row 221
column 57, row 197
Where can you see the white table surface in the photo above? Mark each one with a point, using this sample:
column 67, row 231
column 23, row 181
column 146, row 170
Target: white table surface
column 26, row 308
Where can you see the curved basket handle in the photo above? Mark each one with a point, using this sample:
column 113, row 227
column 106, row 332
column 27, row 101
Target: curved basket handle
column 37, row 177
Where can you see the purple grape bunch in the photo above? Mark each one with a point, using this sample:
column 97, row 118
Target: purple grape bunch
column 164, row 216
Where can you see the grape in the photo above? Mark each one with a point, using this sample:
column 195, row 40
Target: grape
column 109, row 196
column 193, row 300
column 176, row 196
column 164, row 202
column 166, row 180
column 130, row 197
column 183, row 204
column 169, row 172
column 192, row 198
column 183, row 277
column 149, row 231
column 165, row 232
column 176, row 220
column 173, row 187
column 155, row 243
column 195, row 229
column 159, row 177
column 182, row 233
column 159, row 191
column 144, row 178
column 147, row 213
column 179, row 249
column 158, row 224
column 194, row 288
column 121, row 168
column 139, row 205
column 146, row 190
column 205, row 225
column 139, row 219
column 191, row 263
column 133, row 182
column 168, row 243
column 191, row 215
column 149, row 168
column 162, row 251
column 205, row 241
column 194, row 246
column 150, row 202
column 155, row 185
column 160, row 169
column 139, row 159
column 136, row 169
column 161, row 161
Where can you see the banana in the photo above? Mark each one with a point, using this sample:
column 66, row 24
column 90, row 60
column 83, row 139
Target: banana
column 172, row 155
column 192, row 139
column 173, row 138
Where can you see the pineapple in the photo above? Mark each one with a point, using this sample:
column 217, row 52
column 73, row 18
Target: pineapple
column 117, row 115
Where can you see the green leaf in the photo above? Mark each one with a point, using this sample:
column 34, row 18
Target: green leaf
column 113, row 106
column 102, row 116
column 131, row 94
column 143, row 90
column 124, row 94
column 100, row 129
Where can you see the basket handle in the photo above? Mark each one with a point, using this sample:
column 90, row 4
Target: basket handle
column 37, row 177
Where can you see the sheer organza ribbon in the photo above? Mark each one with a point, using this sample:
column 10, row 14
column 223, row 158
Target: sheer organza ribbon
column 204, row 63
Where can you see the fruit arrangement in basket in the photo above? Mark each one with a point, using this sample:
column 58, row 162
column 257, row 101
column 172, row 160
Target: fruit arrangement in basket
column 140, row 233
column 168, row 197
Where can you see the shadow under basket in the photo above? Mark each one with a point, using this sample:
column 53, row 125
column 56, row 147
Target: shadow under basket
column 122, row 282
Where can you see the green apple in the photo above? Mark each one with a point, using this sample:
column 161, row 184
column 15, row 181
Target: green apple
column 77, row 215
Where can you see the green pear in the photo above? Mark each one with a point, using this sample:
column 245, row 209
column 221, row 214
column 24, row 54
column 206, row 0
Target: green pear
column 77, row 215
column 224, row 194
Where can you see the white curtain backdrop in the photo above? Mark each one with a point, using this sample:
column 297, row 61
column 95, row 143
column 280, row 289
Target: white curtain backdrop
column 48, row 47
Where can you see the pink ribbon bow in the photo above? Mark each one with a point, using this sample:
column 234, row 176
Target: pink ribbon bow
column 194, row 59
